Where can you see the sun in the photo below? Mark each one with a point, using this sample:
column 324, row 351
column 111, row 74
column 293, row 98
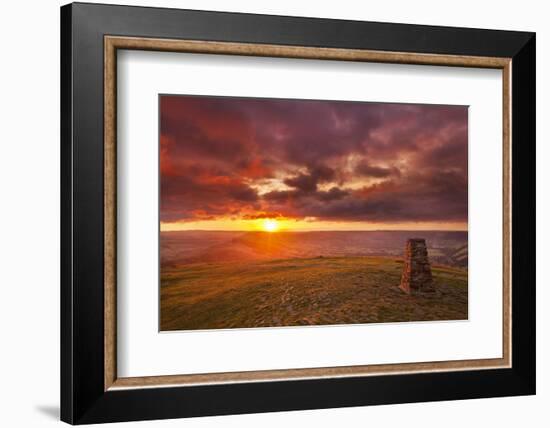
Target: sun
column 270, row 225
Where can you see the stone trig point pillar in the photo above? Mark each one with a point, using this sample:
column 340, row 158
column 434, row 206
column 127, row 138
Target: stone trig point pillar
column 417, row 273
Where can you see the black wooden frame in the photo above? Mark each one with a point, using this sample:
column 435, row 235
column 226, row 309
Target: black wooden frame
column 83, row 399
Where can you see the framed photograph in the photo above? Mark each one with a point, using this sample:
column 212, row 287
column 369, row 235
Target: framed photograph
column 266, row 213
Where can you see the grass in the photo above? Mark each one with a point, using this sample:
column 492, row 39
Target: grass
column 292, row 292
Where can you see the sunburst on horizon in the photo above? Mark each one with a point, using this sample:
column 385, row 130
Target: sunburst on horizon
column 270, row 225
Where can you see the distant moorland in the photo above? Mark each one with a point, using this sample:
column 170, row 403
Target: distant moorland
column 179, row 248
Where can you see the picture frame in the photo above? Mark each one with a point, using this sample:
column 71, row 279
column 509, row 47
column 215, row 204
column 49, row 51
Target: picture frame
column 91, row 390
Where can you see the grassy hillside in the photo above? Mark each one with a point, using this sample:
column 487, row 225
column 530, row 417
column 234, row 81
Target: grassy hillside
column 315, row 291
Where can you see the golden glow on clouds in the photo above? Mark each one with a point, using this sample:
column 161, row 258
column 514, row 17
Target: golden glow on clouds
column 268, row 185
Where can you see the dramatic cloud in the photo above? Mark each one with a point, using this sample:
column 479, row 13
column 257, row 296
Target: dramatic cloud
column 343, row 161
column 375, row 171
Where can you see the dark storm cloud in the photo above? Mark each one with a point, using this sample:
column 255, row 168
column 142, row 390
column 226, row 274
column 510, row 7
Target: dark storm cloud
column 423, row 197
column 333, row 194
column 308, row 182
column 203, row 196
column 369, row 170
column 332, row 160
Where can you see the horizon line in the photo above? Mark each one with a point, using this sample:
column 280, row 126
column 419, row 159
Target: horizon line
column 310, row 230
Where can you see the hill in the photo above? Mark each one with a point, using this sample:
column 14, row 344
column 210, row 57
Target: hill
column 303, row 291
column 179, row 248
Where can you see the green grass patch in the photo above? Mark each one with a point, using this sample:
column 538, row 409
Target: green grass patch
column 317, row 291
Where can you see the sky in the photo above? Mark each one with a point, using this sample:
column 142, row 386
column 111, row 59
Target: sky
column 243, row 163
